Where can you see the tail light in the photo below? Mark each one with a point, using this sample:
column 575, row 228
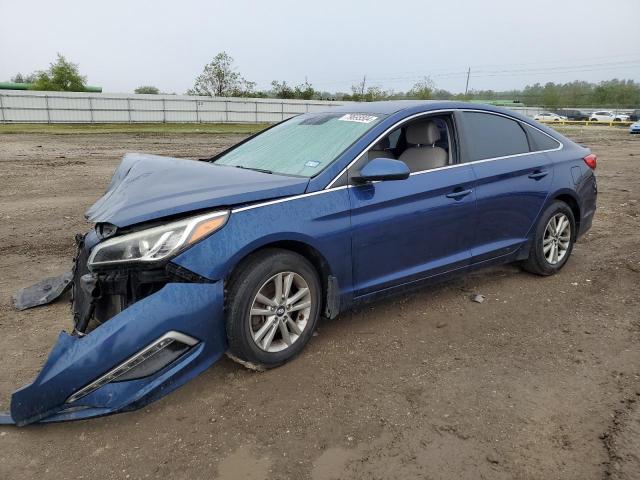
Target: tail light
column 591, row 160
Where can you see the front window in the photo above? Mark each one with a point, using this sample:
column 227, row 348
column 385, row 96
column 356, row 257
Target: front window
column 303, row 145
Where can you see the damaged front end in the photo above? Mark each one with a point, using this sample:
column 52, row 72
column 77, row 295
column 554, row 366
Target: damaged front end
column 140, row 330
column 142, row 324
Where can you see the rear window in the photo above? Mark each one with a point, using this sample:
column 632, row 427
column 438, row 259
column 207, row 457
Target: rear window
column 491, row 136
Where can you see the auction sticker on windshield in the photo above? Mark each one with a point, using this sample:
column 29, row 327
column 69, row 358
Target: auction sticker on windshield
column 358, row 117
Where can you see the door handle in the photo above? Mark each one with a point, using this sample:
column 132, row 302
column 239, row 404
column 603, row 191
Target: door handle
column 458, row 194
column 538, row 174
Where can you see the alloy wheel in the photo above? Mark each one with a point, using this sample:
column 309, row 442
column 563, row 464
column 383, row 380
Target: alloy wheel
column 280, row 312
column 557, row 238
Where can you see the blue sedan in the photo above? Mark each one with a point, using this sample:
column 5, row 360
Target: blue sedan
column 244, row 251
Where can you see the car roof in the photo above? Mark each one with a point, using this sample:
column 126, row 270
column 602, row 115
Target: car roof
column 384, row 107
column 406, row 108
column 389, row 107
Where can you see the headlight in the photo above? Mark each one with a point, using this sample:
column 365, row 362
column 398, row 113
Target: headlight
column 157, row 243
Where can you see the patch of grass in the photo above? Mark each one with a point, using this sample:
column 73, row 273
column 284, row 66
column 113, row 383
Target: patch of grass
column 146, row 128
column 606, row 129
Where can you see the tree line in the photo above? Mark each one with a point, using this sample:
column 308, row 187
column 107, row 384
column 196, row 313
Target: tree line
column 219, row 78
column 609, row 93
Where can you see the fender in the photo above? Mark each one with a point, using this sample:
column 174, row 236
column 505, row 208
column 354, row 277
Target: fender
column 327, row 230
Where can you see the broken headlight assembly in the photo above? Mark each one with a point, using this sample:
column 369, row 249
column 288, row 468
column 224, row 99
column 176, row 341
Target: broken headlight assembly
column 156, row 243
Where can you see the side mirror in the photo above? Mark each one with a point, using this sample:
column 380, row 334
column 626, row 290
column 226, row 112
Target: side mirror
column 382, row 169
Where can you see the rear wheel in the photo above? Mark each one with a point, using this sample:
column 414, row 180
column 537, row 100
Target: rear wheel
column 553, row 240
column 273, row 306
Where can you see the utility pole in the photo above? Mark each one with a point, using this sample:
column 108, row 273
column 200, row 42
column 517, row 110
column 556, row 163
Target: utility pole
column 466, row 88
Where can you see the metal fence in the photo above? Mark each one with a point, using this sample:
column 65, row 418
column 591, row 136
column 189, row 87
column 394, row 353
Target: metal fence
column 72, row 107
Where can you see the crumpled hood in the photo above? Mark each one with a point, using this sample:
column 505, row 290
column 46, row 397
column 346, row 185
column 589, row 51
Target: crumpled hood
column 147, row 187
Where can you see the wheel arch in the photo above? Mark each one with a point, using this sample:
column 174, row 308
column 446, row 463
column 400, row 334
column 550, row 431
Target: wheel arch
column 327, row 281
column 571, row 200
column 567, row 196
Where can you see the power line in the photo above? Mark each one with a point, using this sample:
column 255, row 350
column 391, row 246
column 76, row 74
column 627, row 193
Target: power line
column 574, row 59
column 506, row 72
column 563, row 67
column 436, row 71
column 523, row 71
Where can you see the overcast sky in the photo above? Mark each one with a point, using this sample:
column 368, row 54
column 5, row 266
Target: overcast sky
column 507, row 43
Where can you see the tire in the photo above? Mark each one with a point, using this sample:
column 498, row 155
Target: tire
column 259, row 275
column 541, row 258
column 593, row 120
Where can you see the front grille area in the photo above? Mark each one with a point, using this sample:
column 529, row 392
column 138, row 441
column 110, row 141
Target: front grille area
column 99, row 296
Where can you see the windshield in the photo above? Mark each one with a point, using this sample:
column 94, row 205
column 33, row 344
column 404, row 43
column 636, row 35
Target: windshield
column 303, row 145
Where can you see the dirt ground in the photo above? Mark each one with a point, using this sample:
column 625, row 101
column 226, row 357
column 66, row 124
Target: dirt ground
column 540, row 381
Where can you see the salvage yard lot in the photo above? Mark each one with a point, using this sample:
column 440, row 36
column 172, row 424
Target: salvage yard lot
column 541, row 380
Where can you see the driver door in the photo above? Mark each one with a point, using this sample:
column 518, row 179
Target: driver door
column 407, row 230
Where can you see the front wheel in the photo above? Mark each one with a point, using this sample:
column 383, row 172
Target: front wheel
column 553, row 240
column 273, row 306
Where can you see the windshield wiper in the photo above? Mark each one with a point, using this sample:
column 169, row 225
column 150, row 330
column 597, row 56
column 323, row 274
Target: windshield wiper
column 262, row 170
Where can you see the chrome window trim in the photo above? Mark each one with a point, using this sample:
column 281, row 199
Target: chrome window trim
column 379, row 137
column 488, row 160
column 422, row 114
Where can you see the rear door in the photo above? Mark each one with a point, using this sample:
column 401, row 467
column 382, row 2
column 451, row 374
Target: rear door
column 513, row 177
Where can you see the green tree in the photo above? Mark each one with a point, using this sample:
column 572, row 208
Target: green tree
column 374, row 94
column 304, row 91
column 282, row 90
column 422, row 90
column 149, row 89
column 244, row 88
column 370, row 94
column 440, row 94
column 220, row 79
column 617, row 93
column 551, row 96
column 19, row 78
column 61, row 76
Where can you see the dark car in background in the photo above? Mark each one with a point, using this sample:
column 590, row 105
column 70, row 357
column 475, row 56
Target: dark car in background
column 575, row 115
column 634, row 116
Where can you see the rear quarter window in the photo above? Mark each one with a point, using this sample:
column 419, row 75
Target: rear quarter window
column 540, row 141
column 491, row 136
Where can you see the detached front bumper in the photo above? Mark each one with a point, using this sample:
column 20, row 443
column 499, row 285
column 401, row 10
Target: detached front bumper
column 137, row 356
